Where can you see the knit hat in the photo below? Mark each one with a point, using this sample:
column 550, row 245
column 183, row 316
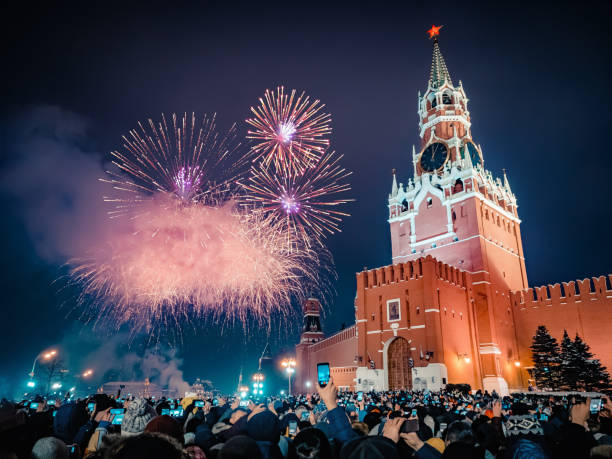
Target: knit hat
column 167, row 425
column 436, row 443
column 312, row 443
column 523, row 425
column 137, row 416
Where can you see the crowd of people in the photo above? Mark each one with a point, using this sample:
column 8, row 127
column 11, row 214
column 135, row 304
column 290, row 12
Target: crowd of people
column 328, row 424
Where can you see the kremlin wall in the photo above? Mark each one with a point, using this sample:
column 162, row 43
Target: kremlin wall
column 454, row 306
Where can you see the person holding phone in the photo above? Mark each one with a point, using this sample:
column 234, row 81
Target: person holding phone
column 341, row 429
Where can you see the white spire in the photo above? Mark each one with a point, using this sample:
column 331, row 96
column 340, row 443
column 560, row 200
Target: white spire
column 506, row 183
column 394, row 185
column 414, row 160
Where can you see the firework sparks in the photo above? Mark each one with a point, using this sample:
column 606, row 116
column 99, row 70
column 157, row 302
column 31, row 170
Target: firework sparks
column 187, row 159
column 289, row 131
column 306, row 205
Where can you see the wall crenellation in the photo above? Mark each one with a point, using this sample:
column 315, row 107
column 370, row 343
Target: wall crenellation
column 398, row 272
column 593, row 288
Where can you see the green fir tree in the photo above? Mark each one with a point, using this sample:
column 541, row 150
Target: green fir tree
column 592, row 376
column 569, row 372
column 546, row 360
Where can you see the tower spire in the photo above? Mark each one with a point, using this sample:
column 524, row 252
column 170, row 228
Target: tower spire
column 439, row 73
column 394, row 184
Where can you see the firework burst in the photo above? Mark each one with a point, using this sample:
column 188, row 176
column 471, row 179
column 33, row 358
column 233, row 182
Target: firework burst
column 186, row 159
column 289, row 131
column 306, row 205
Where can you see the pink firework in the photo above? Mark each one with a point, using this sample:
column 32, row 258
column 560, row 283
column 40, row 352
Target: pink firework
column 306, row 205
column 186, row 159
column 192, row 260
column 182, row 249
column 289, row 132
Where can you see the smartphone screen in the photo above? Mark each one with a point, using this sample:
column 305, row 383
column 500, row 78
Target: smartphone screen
column 199, row 403
column 305, row 415
column 118, row 419
column 91, row 406
column 292, row 427
column 360, row 396
column 117, row 411
column 34, row 405
column 543, row 417
column 50, row 402
column 244, row 403
column 323, row 374
column 215, row 402
column 165, row 411
column 595, row 405
column 414, row 413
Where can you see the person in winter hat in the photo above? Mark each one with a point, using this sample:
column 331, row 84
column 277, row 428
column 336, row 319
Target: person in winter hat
column 137, row 416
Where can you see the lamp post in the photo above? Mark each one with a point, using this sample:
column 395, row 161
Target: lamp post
column 289, row 365
column 45, row 355
column 258, row 383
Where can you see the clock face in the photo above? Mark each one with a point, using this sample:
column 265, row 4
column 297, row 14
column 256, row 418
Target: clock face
column 472, row 151
column 433, row 157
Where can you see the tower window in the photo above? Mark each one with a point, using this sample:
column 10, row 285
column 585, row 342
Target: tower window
column 447, row 99
column 458, row 188
column 454, row 215
column 404, row 205
column 429, row 202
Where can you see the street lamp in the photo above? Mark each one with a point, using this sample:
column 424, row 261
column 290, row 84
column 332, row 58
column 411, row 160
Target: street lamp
column 258, row 383
column 289, row 365
column 46, row 356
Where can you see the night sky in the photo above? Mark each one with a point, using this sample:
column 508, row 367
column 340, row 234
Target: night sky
column 78, row 77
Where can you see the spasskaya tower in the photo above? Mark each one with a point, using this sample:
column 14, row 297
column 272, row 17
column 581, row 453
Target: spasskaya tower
column 453, row 208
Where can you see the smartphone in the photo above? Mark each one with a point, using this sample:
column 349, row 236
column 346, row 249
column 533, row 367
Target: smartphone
column 543, row 417
column 54, row 413
column 172, row 406
column 91, row 406
column 215, row 402
column 360, row 396
column 117, row 411
column 34, row 405
column 118, row 419
column 176, row 413
column 410, row 425
column 165, row 411
column 50, row 402
column 414, row 413
column 292, row 427
column 323, row 374
column 596, row 405
column 442, row 426
column 244, row 403
column 305, row 415
column 73, row 449
column 199, row 403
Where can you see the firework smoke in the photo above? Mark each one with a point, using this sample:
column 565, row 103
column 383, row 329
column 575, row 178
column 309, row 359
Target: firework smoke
column 192, row 260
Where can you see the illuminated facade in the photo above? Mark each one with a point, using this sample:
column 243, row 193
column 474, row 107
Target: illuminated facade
column 454, row 306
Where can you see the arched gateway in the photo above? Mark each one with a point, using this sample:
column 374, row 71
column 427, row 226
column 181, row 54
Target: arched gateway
column 399, row 370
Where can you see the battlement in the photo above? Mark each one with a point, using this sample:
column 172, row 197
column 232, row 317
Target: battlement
column 414, row 269
column 595, row 288
column 336, row 338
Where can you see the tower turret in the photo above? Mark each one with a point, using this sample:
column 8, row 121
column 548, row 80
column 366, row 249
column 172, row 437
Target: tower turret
column 312, row 331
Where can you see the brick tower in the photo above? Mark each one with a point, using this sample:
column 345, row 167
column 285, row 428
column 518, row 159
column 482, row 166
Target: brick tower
column 454, row 209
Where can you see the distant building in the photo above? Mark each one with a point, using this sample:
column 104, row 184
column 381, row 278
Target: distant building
column 454, row 306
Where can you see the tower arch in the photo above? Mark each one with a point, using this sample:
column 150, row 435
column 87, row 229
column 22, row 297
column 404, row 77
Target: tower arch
column 398, row 370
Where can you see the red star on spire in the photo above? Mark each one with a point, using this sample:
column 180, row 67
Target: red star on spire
column 434, row 31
